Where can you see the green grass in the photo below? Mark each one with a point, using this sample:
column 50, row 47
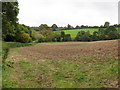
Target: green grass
column 18, row 44
column 60, row 73
column 74, row 32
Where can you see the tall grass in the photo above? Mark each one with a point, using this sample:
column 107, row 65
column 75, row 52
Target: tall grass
column 18, row 44
column 5, row 51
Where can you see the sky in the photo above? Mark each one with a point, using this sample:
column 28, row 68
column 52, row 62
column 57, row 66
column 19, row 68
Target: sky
column 64, row 12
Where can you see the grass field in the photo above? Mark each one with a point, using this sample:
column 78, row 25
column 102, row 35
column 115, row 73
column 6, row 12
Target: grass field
column 74, row 32
column 18, row 44
column 63, row 65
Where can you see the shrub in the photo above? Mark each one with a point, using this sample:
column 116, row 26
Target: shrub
column 23, row 37
column 67, row 37
column 41, row 38
column 5, row 51
column 26, row 38
column 83, row 36
column 95, row 36
column 53, row 37
column 33, row 35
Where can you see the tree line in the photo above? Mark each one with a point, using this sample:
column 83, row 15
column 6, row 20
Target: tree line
column 54, row 27
column 13, row 31
column 108, row 33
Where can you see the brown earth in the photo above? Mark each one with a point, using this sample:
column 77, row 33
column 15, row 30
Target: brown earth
column 70, row 51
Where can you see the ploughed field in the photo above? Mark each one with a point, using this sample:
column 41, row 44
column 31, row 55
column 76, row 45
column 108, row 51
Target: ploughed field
column 64, row 65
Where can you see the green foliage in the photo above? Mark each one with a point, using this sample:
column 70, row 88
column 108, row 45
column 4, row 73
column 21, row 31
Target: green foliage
column 23, row 37
column 22, row 27
column 108, row 33
column 102, row 34
column 33, row 35
column 43, row 27
column 77, row 27
column 49, row 36
column 54, row 27
column 73, row 32
column 46, row 32
column 83, row 36
column 35, row 28
column 57, row 36
column 5, row 51
column 69, row 27
column 95, row 36
column 41, row 38
column 23, row 34
column 67, row 37
column 9, row 32
column 18, row 44
column 9, row 20
column 10, row 11
column 106, row 24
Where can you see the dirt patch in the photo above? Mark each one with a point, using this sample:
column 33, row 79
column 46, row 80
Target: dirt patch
column 72, row 50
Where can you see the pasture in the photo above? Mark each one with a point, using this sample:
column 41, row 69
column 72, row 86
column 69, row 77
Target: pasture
column 74, row 32
column 63, row 65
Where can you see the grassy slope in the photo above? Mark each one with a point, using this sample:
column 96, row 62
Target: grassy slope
column 28, row 73
column 75, row 31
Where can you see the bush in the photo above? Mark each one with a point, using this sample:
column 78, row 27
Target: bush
column 108, row 33
column 23, row 37
column 41, row 38
column 83, row 36
column 26, row 38
column 95, row 36
column 67, row 37
column 33, row 35
column 53, row 37
column 5, row 51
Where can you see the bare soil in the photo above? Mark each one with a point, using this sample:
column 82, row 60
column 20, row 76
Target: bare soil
column 76, row 52
column 72, row 50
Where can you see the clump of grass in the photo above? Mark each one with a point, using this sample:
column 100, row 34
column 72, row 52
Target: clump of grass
column 18, row 44
column 5, row 51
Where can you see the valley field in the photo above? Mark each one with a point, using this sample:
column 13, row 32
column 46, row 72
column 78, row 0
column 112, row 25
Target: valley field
column 63, row 65
column 73, row 32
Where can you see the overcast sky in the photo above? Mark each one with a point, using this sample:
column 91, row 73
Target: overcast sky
column 63, row 12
